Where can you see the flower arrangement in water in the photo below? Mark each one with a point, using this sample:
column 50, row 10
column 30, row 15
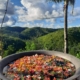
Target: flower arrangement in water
column 40, row 67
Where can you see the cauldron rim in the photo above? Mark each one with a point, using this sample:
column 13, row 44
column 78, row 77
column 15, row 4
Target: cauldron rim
column 5, row 61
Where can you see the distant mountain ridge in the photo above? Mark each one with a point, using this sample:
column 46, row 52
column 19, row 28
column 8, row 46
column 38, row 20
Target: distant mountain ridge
column 25, row 32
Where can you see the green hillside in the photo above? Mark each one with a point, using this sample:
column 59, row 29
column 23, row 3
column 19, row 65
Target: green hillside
column 12, row 45
column 40, row 38
column 14, row 29
column 24, row 32
column 36, row 32
column 55, row 41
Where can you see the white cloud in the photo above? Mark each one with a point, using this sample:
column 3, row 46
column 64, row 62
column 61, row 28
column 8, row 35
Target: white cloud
column 38, row 24
column 10, row 8
column 49, row 25
column 10, row 22
column 5, row 20
column 36, row 10
column 50, row 20
column 20, row 10
column 58, row 26
column 54, row 6
column 76, row 11
column 76, row 15
column 33, row 10
column 10, row 11
column 33, row 25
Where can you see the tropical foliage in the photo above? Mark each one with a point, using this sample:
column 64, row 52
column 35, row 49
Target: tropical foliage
column 47, row 39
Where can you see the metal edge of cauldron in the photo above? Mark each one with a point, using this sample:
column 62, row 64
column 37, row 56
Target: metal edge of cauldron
column 5, row 61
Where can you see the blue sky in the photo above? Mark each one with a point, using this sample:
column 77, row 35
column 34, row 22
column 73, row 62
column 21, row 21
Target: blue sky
column 31, row 13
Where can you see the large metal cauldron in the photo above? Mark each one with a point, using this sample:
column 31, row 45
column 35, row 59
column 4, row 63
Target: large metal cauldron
column 4, row 62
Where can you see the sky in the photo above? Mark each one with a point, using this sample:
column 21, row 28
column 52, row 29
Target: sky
column 38, row 13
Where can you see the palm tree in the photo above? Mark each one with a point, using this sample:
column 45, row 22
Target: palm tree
column 65, row 9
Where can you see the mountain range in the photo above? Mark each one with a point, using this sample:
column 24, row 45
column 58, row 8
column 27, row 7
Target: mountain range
column 17, row 39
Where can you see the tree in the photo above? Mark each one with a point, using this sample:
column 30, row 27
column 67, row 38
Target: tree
column 10, row 50
column 65, row 9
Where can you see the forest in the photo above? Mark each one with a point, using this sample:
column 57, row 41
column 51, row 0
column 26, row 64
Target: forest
column 17, row 39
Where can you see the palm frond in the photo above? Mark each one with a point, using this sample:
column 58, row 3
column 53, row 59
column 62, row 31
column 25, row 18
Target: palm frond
column 56, row 1
column 72, row 2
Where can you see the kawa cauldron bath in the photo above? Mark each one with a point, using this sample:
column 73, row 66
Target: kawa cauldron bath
column 40, row 65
